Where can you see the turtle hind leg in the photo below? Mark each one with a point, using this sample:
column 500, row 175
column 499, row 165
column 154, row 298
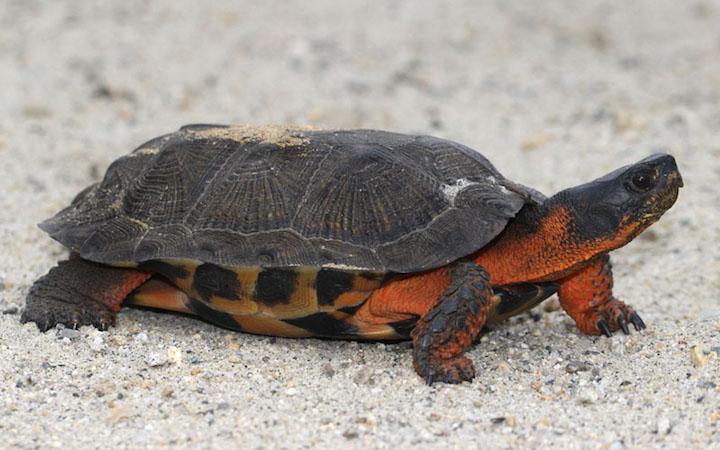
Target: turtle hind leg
column 449, row 328
column 78, row 292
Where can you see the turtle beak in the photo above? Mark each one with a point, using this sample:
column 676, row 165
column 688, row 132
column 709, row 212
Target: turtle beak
column 666, row 168
column 669, row 182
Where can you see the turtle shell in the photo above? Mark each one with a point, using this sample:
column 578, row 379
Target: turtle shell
column 243, row 196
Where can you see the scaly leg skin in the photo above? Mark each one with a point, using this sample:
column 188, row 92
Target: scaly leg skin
column 587, row 297
column 78, row 292
column 447, row 330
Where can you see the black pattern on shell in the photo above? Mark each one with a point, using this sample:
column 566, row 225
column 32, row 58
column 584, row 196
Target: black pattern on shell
column 275, row 197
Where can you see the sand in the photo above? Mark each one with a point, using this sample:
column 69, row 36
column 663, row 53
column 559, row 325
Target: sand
column 555, row 93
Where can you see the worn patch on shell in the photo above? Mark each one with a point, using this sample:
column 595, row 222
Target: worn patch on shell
column 502, row 188
column 144, row 151
column 450, row 191
column 280, row 135
column 341, row 266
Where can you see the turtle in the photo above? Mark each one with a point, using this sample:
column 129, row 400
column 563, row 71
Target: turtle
column 347, row 234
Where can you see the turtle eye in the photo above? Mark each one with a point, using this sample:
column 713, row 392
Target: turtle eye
column 641, row 181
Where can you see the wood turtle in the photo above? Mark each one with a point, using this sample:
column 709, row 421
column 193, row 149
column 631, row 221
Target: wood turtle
column 356, row 234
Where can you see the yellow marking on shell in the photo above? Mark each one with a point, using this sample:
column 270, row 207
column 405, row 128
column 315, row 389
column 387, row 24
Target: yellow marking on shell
column 373, row 331
column 371, row 281
column 350, row 298
column 269, row 326
column 361, row 290
column 303, row 301
column 242, row 306
column 246, row 278
column 187, row 265
column 280, row 135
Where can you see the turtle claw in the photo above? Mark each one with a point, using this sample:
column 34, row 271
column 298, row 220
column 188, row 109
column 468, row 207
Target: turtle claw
column 608, row 317
column 637, row 321
column 622, row 324
column 42, row 324
column 604, row 328
column 75, row 320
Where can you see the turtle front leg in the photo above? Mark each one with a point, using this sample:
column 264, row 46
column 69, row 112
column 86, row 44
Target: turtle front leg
column 587, row 297
column 447, row 330
column 78, row 292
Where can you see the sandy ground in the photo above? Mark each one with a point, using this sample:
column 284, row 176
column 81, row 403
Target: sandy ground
column 554, row 92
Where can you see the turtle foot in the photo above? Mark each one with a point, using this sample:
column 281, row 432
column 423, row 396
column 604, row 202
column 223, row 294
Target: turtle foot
column 77, row 292
column 48, row 312
column 453, row 371
column 609, row 317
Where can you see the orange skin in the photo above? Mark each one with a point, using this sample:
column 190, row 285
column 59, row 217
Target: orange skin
column 584, row 277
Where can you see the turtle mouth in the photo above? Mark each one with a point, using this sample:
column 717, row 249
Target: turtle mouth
column 665, row 198
column 674, row 181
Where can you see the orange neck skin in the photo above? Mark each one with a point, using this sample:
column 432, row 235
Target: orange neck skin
column 541, row 246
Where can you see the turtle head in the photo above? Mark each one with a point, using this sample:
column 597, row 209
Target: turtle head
column 614, row 209
column 549, row 240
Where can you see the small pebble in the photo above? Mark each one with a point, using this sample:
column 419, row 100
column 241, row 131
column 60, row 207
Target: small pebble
column 174, row 355
column 576, row 366
column 156, row 360
column 551, row 305
column 118, row 339
column 69, row 333
column 697, row 357
column 617, row 445
column 663, row 426
column 142, row 337
column 587, row 395
column 12, row 309
column 364, row 376
column 98, row 344
column 290, row 391
column 350, row 434
column 328, row 370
